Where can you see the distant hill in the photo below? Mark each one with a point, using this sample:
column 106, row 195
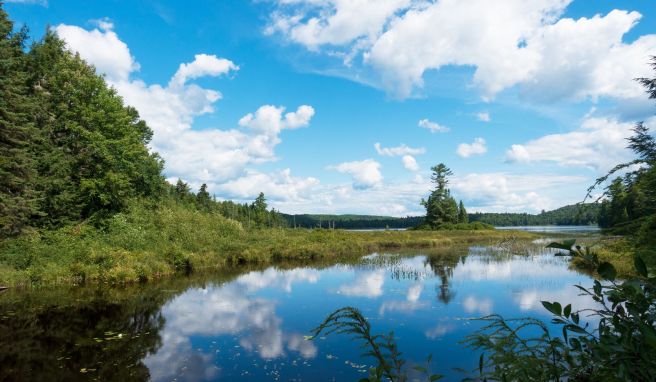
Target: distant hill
column 578, row 214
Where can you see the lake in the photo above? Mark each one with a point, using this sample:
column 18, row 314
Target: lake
column 554, row 228
column 250, row 324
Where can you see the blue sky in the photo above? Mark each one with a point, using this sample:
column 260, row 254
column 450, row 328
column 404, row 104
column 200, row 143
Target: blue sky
column 527, row 102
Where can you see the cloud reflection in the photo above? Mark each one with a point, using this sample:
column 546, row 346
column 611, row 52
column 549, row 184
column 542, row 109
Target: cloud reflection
column 226, row 310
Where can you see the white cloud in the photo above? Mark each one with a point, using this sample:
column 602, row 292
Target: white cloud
column 600, row 143
column 368, row 285
column 483, row 116
column 515, row 42
column 214, row 156
column 202, row 66
column 410, row 163
column 482, row 306
column 277, row 186
column 269, row 119
column 365, row 174
column 100, row 47
column 399, row 150
column 466, row 150
column 338, row 22
column 432, row 126
column 501, row 192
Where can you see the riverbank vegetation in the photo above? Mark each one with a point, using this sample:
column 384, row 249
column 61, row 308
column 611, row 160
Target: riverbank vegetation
column 151, row 241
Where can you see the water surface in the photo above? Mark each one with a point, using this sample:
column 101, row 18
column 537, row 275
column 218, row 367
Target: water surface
column 250, row 324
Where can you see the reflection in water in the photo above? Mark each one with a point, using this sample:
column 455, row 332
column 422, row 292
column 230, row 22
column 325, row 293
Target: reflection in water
column 227, row 309
column 251, row 326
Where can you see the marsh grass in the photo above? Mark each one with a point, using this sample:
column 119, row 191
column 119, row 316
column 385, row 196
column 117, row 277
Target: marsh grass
column 150, row 242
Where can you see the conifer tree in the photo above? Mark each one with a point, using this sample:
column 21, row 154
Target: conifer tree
column 462, row 213
column 440, row 207
column 17, row 169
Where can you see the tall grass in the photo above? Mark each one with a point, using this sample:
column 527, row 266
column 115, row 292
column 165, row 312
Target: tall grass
column 150, row 241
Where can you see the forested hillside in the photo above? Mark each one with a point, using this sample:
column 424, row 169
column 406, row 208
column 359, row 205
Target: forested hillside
column 577, row 214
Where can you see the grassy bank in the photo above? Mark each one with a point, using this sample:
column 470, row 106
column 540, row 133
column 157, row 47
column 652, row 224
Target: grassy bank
column 151, row 242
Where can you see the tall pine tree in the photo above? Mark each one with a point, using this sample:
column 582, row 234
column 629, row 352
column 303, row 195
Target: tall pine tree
column 18, row 197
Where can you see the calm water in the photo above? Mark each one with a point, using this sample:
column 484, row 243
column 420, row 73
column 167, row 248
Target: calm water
column 250, row 325
column 555, row 228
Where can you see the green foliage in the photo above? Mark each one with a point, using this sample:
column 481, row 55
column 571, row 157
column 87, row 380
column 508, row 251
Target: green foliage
column 441, row 207
column 622, row 347
column 578, row 214
column 462, row 214
column 630, row 207
column 18, row 196
column 352, row 221
column 69, row 148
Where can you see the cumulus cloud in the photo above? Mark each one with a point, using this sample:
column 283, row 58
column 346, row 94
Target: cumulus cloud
column 410, row 163
column 547, row 55
column 499, row 192
column 365, row 174
column 599, row 143
column 477, row 147
column 100, row 47
column 219, row 157
column 483, row 116
column 202, row 66
column 432, row 126
column 280, row 185
column 398, row 151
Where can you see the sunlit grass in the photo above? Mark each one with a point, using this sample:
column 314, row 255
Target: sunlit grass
column 151, row 243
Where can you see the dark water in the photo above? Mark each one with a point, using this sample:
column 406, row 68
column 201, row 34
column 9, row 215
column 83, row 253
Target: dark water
column 250, row 324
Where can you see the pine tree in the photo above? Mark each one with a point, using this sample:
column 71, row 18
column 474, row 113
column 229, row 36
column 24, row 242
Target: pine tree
column 462, row 213
column 441, row 208
column 94, row 154
column 203, row 199
column 17, row 169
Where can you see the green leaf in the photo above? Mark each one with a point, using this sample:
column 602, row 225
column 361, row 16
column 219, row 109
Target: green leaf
column 640, row 266
column 575, row 318
column 597, row 288
column 553, row 307
column 435, row 377
column 607, row 271
column 567, row 310
column 575, row 329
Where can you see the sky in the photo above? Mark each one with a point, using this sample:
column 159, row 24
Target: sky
column 343, row 106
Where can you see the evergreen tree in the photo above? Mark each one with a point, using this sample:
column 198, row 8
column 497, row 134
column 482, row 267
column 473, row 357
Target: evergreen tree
column 18, row 196
column 440, row 207
column 260, row 204
column 203, row 199
column 462, row 213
